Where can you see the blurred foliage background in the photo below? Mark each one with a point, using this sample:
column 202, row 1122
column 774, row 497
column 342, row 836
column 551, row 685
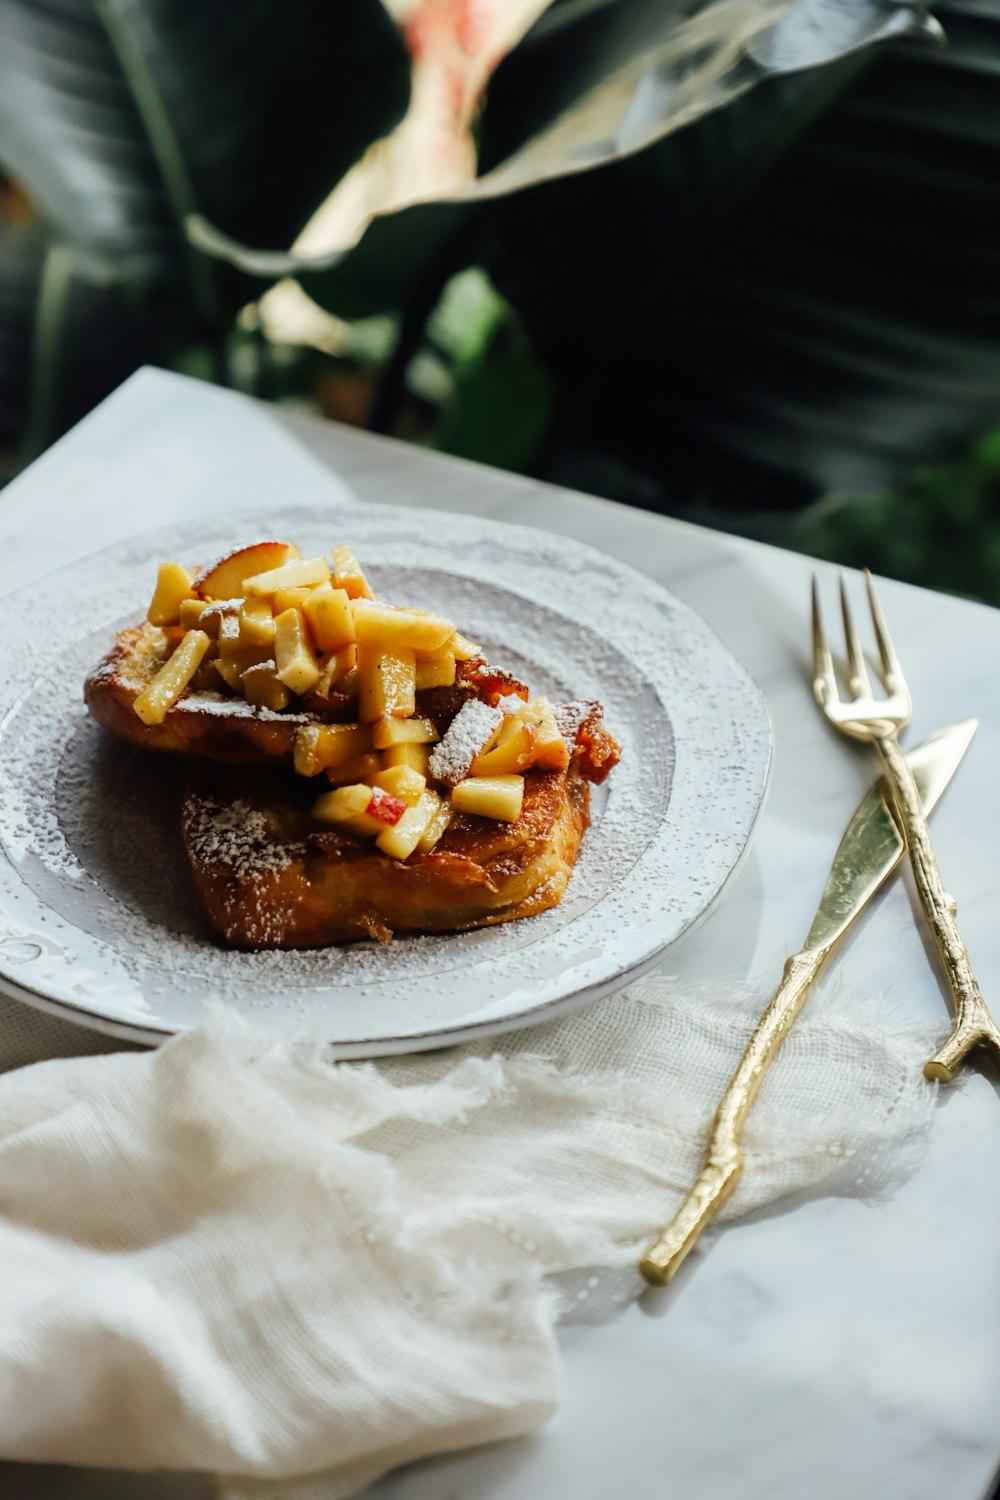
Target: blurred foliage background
column 734, row 260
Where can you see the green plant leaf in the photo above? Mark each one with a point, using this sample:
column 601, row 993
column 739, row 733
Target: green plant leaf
column 594, row 82
column 800, row 292
column 122, row 116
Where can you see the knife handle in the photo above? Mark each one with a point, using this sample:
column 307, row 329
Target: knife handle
column 974, row 1026
column 723, row 1165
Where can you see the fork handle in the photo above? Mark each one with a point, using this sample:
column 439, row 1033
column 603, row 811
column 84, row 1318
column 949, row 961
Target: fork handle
column 974, row 1026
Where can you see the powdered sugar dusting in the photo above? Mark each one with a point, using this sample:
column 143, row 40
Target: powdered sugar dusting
column 569, row 717
column 234, row 835
column 469, row 732
column 208, row 702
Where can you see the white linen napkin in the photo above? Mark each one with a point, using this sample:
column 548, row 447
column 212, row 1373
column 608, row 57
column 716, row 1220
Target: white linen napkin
column 235, row 1256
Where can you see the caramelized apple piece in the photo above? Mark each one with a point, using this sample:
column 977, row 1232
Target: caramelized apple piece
column 226, row 578
column 301, row 572
column 283, row 599
column 173, row 677
column 514, row 750
column 462, row 649
column 437, row 827
column 414, row 756
column 173, row 585
column 388, row 732
column 190, row 612
column 436, row 671
column 400, row 841
column 261, row 687
column 318, row 746
column 551, row 750
column 386, row 681
column 498, row 797
column 256, row 623
column 361, row 768
column 396, row 629
column 229, row 672
column 235, row 650
column 402, row 782
column 347, row 574
column 335, row 667
column 328, row 611
column 360, row 809
column 296, row 662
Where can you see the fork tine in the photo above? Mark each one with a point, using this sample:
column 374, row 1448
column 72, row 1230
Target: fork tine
column 857, row 672
column 891, row 669
column 824, row 677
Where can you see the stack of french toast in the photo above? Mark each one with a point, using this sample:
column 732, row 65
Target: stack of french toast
column 357, row 768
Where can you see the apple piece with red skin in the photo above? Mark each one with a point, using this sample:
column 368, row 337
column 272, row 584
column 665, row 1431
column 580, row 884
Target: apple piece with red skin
column 225, row 578
column 385, row 807
column 360, row 809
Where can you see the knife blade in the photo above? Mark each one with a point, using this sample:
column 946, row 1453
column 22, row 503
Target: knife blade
column 869, row 851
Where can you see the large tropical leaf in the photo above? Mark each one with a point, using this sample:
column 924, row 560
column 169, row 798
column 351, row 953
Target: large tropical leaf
column 592, row 84
column 122, row 116
column 831, row 319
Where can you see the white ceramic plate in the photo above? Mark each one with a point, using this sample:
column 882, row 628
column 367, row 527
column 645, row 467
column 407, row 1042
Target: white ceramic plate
column 97, row 919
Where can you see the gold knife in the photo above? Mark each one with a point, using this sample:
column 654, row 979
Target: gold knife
column 869, row 851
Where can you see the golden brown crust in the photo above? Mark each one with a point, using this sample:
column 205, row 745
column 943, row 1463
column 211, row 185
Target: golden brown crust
column 268, row 878
column 204, row 724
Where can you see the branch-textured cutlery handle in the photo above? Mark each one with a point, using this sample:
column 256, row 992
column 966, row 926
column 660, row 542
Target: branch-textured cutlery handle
column 724, row 1158
column 974, row 1026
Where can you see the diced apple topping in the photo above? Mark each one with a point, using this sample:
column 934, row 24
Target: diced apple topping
column 261, row 687
column 400, row 841
column 469, row 734
column 407, row 629
column 173, row 585
column 389, row 732
column 514, row 749
column 296, row 661
column 347, row 574
column 283, row 599
column 190, row 612
column 402, row 782
column 386, row 682
column 272, row 627
column 463, row 649
column 416, row 757
column 552, row 752
column 300, row 573
column 360, row 809
column 437, row 827
column 318, row 746
column 436, row 671
column 226, row 579
column 360, row 768
column 328, row 611
column 173, row 677
column 256, row 623
column 497, row 797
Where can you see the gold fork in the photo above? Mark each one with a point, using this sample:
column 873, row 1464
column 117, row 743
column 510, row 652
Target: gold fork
column 878, row 721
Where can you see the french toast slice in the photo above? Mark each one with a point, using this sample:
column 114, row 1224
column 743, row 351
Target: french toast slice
column 267, row 877
column 223, row 727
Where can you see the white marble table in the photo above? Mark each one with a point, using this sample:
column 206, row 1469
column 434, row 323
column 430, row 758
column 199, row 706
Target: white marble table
column 827, row 1350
